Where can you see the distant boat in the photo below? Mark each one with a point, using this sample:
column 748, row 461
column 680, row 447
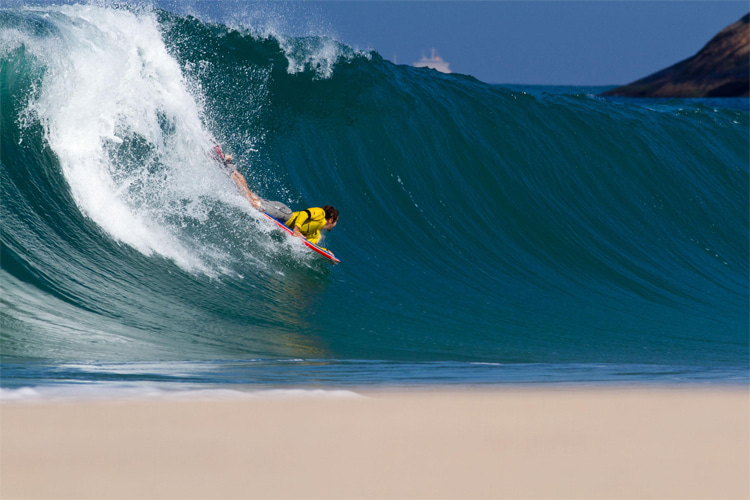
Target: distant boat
column 434, row 62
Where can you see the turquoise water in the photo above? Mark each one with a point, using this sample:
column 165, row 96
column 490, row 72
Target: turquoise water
column 488, row 233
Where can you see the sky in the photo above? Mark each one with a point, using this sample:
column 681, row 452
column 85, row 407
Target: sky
column 536, row 42
column 532, row 42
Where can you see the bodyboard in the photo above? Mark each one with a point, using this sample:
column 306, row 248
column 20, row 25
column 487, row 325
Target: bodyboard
column 311, row 246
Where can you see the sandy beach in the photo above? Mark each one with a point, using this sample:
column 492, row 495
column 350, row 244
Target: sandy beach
column 502, row 443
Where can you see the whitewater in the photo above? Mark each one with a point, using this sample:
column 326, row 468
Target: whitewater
column 488, row 233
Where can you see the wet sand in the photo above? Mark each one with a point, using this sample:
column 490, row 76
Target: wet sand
column 501, row 443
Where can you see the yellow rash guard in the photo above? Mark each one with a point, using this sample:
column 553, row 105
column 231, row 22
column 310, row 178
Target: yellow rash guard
column 310, row 222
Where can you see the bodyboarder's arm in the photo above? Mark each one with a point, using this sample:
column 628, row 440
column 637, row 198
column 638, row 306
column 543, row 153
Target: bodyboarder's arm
column 298, row 234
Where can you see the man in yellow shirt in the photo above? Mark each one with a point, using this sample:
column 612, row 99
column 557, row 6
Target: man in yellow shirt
column 304, row 224
column 310, row 222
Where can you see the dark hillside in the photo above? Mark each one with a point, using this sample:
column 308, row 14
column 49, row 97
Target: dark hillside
column 720, row 69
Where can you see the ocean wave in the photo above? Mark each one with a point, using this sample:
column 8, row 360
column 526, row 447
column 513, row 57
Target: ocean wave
column 479, row 223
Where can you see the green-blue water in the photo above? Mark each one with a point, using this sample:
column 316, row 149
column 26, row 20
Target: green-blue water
column 488, row 233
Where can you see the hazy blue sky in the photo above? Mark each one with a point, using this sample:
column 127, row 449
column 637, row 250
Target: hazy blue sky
column 536, row 42
column 549, row 42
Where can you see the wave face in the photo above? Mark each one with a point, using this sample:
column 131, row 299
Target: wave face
column 479, row 223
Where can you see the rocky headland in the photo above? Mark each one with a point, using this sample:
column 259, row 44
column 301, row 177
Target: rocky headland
column 720, row 69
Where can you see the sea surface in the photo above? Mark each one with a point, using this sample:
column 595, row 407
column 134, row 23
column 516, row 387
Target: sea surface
column 489, row 234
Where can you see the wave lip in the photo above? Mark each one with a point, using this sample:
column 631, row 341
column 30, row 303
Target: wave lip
column 110, row 79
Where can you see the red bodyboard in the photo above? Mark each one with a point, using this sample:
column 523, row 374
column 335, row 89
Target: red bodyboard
column 311, row 246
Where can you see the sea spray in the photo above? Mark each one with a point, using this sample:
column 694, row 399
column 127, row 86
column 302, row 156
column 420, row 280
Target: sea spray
column 110, row 87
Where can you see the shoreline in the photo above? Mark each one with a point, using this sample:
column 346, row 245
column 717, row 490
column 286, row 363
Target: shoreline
column 508, row 442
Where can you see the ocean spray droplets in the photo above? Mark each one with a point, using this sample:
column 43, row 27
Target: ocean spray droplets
column 316, row 54
column 112, row 87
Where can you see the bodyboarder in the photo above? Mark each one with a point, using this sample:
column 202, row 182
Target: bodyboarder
column 304, row 224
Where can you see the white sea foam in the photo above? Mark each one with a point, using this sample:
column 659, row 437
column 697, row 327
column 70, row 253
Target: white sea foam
column 317, row 54
column 94, row 392
column 307, row 39
column 110, row 77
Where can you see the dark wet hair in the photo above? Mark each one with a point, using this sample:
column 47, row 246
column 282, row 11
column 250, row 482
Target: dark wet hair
column 331, row 213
